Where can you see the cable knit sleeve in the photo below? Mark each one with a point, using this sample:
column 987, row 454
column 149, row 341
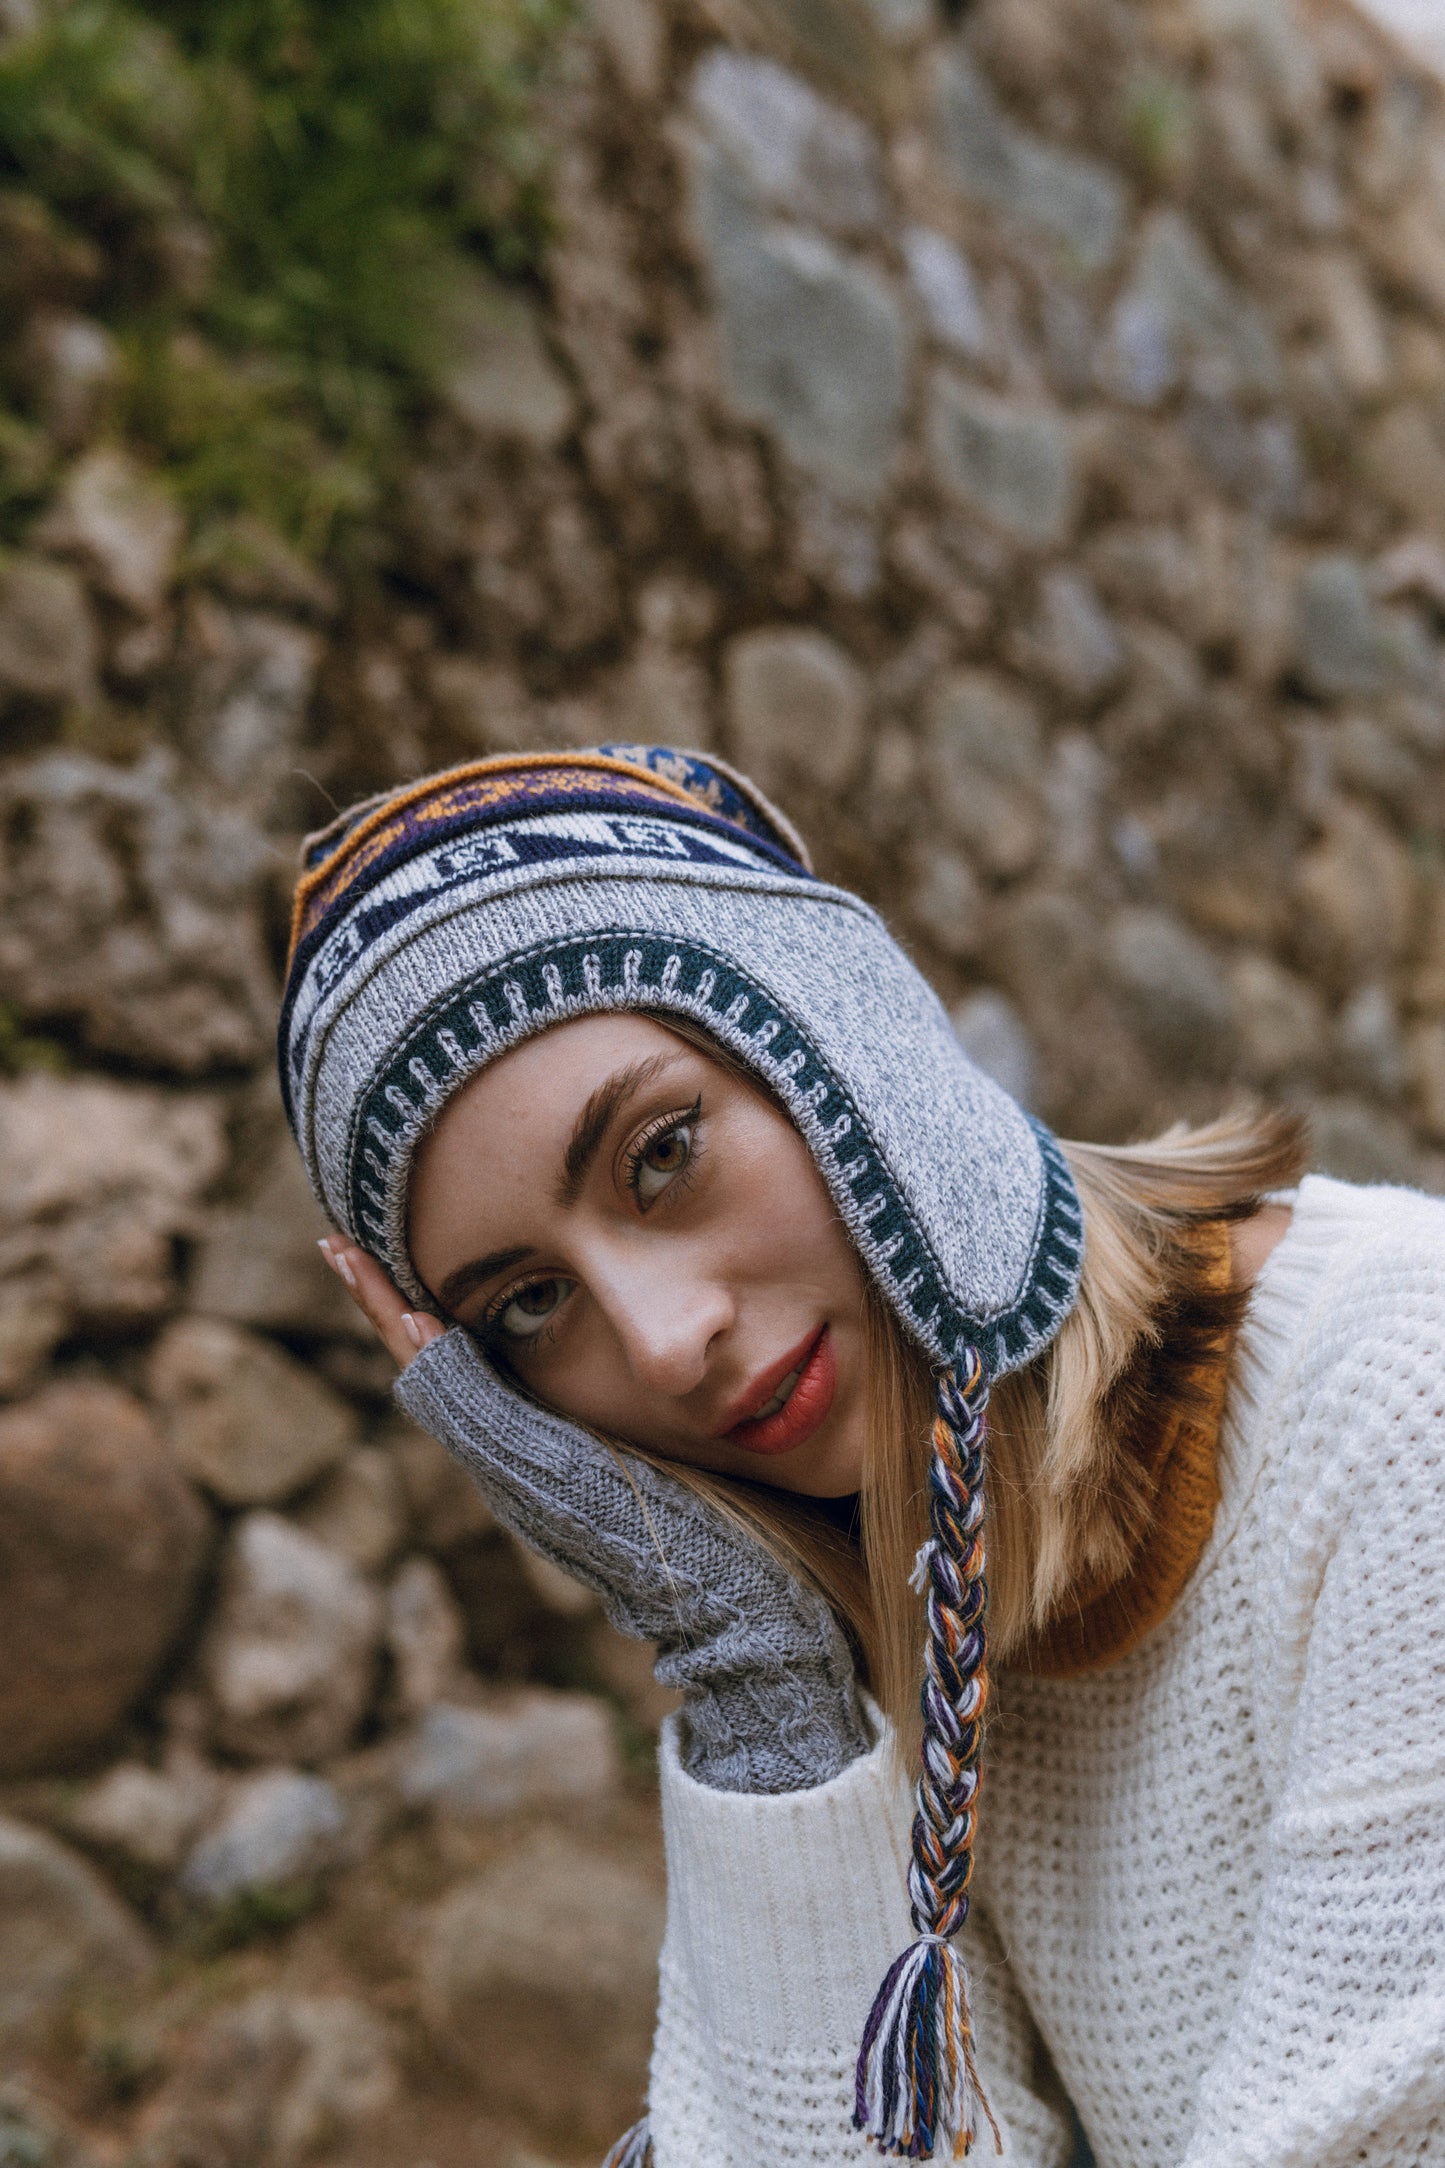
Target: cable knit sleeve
column 1336, row 2049
column 784, row 1913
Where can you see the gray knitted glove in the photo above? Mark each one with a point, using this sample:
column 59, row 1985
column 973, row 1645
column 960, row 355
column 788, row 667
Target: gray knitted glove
column 771, row 1699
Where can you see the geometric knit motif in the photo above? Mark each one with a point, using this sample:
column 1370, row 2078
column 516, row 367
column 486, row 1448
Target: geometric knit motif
column 1211, row 1877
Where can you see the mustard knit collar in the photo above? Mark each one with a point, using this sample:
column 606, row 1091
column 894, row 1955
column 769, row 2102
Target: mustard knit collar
column 1180, row 1450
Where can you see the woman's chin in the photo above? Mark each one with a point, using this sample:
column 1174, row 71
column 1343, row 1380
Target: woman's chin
column 828, row 1465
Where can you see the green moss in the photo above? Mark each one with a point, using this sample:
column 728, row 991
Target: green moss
column 22, row 1051
column 254, row 1915
column 1158, row 123
column 281, row 193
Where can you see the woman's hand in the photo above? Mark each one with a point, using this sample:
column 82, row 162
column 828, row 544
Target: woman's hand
column 402, row 1332
column 771, row 1697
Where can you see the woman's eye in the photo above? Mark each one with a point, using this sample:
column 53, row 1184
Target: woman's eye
column 531, row 1309
column 661, row 1160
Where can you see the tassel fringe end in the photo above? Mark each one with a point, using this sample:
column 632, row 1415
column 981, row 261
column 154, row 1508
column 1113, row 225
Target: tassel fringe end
column 633, row 2149
column 917, row 2093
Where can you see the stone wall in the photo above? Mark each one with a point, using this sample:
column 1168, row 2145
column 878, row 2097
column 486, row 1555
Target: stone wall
column 1021, row 443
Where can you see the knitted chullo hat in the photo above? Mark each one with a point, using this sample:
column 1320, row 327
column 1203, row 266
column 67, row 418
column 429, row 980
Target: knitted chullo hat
column 439, row 926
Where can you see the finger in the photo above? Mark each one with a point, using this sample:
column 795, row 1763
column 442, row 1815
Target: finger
column 402, row 1331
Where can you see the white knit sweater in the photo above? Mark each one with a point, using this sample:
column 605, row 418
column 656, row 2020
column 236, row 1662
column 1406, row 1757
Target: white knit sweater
column 1211, row 1878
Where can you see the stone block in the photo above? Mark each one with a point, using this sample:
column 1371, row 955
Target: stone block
column 1357, row 1142
column 425, row 1635
column 1402, row 455
column 1353, row 323
column 495, row 373
column 359, row 1510
column 1150, row 567
column 947, row 291
column 63, row 1934
column 945, row 902
column 1013, row 463
column 1254, row 459
column 625, row 1667
column 1179, row 319
column 813, row 344
column 901, row 22
column 257, row 1262
column 797, row 152
column 279, row 2078
column 1340, row 642
column 523, row 1752
column 278, row 1828
column 1175, row 990
column 71, row 366
column 290, row 1654
column 1411, row 250
column 1425, row 1067
column 541, row 1975
column 635, row 37
column 97, row 1182
column 32, row 2133
column 1048, row 954
column 444, row 1507
column 984, row 756
column 796, row 708
column 102, row 1545
column 131, row 912
column 1369, row 1045
column 1274, row 37
column 1279, row 1018
column 1427, row 973
column 243, row 1417
column 1368, row 754
column 1355, row 897
column 249, row 681
column 554, row 1589
column 837, row 39
column 47, row 635
column 1072, row 641
column 1079, row 205
column 148, row 1817
column 250, row 563
column 122, row 524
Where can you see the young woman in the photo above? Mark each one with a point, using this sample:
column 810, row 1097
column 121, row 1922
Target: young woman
column 700, row 1242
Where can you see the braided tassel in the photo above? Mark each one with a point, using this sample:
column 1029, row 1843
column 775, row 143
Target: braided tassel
column 917, row 2092
column 633, row 2149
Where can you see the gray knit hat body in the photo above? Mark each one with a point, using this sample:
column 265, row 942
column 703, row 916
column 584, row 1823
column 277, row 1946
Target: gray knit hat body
column 432, row 941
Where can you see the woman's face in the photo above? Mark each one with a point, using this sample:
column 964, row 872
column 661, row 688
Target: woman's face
column 643, row 1240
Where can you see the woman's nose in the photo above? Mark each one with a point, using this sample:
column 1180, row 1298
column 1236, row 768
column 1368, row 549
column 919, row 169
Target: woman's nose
column 667, row 1322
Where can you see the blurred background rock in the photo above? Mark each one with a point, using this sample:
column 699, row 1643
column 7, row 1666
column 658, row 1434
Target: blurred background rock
column 1015, row 432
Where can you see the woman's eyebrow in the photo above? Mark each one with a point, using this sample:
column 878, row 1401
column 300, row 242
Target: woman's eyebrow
column 459, row 1284
column 597, row 1117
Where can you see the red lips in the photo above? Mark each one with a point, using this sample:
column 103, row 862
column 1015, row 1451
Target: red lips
column 806, row 1406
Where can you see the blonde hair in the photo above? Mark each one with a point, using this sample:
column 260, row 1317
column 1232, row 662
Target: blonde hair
column 1068, row 1500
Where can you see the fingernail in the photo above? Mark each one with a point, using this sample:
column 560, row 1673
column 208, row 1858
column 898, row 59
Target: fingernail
column 411, row 1328
column 338, row 1260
